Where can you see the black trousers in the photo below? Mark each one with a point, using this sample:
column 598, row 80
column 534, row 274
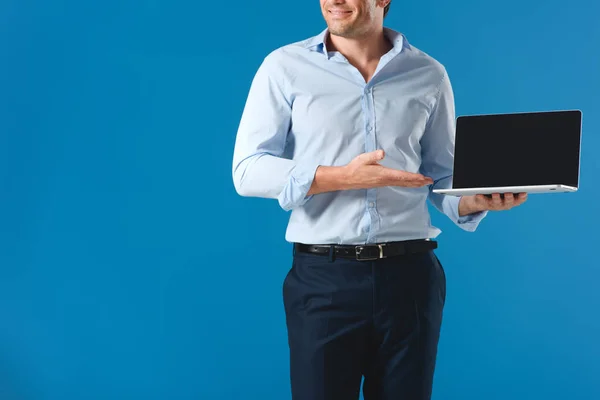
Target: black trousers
column 378, row 320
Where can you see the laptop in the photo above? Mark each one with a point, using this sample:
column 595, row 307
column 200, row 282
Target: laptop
column 531, row 152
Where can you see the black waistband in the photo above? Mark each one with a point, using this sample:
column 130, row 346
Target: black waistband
column 368, row 252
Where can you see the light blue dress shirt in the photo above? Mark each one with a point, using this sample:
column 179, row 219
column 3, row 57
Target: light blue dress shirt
column 308, row 106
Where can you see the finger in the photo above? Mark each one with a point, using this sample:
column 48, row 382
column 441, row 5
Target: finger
column 423, row 178
column 372, row 157
column 413, row 183
column 496, row 200
column 410, row 175
column 509, row 200
column 420, row 182
column 482, row 198
column 407, row 177
column 521, row 198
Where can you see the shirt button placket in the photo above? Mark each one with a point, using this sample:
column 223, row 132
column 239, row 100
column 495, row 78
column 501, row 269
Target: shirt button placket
column 370, row 145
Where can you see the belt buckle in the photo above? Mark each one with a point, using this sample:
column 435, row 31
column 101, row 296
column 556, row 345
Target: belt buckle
column 360, row 257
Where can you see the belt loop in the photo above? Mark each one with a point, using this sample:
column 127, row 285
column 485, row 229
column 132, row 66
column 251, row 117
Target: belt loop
column 331, row 253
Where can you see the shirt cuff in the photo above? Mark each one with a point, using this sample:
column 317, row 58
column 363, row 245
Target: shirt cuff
column 468, row 222
column 294, row 192
column 471, row 221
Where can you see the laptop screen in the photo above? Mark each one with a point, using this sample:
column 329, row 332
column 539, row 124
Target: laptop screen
column 524, row 149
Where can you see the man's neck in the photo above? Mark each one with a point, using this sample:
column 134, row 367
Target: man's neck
column 364, row 50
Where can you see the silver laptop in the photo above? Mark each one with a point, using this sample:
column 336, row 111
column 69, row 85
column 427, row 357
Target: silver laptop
column 534, row 152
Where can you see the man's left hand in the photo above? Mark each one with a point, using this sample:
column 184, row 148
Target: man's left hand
column 477, row 203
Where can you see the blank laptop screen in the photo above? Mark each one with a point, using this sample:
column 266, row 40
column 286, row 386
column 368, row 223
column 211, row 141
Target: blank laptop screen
column 517, row 149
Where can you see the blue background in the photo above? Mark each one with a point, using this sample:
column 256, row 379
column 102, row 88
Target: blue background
column 130, row 268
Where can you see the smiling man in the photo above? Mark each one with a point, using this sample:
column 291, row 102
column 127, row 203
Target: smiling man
column 350, row 130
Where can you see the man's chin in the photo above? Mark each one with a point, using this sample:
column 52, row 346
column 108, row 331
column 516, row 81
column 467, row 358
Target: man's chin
column 343, row 31
column 347, row 34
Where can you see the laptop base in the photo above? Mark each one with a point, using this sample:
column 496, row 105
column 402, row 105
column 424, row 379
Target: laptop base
column 507, row 189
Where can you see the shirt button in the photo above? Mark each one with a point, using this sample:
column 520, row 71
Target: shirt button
column 371, row 204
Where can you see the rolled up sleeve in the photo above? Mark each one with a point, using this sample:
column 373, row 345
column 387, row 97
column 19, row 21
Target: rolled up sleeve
column 259, row 167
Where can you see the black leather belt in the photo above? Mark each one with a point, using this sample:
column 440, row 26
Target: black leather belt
column 369, row 252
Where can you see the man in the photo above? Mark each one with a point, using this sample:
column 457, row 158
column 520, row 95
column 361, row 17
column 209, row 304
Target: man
column 351, row 130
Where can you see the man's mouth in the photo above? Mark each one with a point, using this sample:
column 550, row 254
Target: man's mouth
column 340, row 13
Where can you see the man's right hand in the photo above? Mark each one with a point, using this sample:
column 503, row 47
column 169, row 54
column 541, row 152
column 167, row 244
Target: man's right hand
column 365, row 172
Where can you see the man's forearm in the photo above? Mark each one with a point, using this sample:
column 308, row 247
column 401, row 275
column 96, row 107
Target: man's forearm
column 329, row 179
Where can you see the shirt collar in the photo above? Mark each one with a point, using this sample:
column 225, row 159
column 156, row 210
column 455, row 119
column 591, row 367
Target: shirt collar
column 398, row 40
